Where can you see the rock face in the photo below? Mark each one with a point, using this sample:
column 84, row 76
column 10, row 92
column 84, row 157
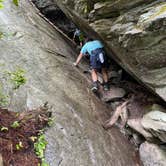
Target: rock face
column 134, row 31
column 155, row 123
column 113, row 94
column 137, row 126
column 76, row 138
column 55, row 15
column 152, row 155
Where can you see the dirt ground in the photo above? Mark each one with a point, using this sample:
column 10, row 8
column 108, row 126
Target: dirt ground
column 16, row 133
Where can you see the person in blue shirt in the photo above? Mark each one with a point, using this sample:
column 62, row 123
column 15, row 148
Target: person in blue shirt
column 98, row 61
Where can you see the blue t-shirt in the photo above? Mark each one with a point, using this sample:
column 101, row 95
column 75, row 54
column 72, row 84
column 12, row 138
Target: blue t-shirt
column 90, row 46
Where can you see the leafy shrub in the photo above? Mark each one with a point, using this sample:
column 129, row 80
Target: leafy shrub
column 17, row 78
column 1, row 4
column 40, row 146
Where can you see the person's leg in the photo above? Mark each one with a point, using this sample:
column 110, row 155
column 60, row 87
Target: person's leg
column 94, row 75
column 105, row 78
column 94, row 79
column 104, row 74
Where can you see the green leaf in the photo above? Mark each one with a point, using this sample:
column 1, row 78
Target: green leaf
column 40, row 146
column 15, row 124
column 19, row 145
column 3, row 99
column 33, row 138
column 17, row 114
column 1, row 6
column 50, row 121
column 44, row 163
column 4, row 128
column 16, row 2
column 17, row 78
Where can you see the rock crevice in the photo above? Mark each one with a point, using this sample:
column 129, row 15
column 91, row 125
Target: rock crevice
column 135, row 34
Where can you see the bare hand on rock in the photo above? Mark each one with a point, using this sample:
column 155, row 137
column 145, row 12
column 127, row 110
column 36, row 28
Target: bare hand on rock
column 75, row 64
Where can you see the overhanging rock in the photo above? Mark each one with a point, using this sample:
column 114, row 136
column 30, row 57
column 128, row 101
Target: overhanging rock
column 134, row 31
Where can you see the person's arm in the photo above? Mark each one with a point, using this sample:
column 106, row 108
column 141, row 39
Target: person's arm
column 82, row 53
column 78, row 59
column 74, row 36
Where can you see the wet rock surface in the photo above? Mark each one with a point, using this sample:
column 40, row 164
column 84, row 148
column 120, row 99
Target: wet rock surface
column 76, row 137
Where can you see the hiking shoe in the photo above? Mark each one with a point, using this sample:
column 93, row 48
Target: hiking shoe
column 94, row 87
column 106, row 87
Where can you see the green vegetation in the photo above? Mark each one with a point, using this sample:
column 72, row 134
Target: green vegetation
column 3, row 128
column 160, row 11
column 3, row 98
column 1, row 35
column 85, row 9
column 15, row 124
column 7, row 34
column 1, row 4
column 50, row 121
column 19, row 145
column 33, row 138
column 16, row 2
column 17, row 78
column 10, row 79
column 150, row 15
column 40, row 146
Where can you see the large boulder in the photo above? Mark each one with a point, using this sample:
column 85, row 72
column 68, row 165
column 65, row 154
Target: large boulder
column 136, row 125
column 155, row 123
column 76, row 137
column 152, row 155
column 133, row 33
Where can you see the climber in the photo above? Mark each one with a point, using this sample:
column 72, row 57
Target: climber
column 78, row 36
column 98, row 61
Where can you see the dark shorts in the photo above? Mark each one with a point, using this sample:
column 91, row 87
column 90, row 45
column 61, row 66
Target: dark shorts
column 95, row 61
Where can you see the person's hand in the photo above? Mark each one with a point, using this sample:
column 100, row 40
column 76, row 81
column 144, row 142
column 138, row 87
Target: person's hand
column 75, row 64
